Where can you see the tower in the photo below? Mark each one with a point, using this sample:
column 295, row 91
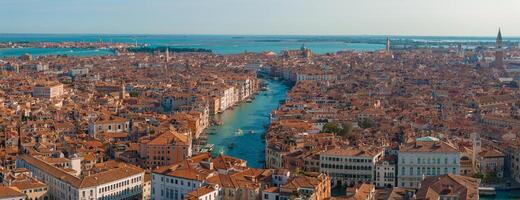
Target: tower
column 499, row 53
column 122, row 91
column 387, row 44
column 167, row 55
column 460, row 50
column 476, row 150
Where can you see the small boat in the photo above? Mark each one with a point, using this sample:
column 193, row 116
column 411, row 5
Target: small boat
column 249, row 101
column 251, row 131
column 239, row 131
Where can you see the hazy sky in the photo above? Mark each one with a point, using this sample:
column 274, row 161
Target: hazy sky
column 287, row 17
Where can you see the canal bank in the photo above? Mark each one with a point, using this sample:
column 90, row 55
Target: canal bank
column 242, row 131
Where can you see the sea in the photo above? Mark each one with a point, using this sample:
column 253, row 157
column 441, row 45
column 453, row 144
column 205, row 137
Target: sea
column 225, row 44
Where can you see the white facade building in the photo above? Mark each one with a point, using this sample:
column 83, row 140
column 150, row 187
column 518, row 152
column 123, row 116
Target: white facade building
column 427, row 156
column 386, row 173
column 123, row 182
column 165, row 186
column 348, row 166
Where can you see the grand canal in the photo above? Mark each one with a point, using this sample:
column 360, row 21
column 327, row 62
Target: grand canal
column 254, row 117
column 242, row 130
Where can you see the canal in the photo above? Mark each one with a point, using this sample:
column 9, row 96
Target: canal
column 242, row 130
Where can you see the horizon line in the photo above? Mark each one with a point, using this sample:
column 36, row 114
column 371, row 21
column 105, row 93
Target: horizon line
column 297, row 35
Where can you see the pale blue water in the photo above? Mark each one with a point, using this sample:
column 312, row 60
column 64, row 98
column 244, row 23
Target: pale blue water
column 229, row 44
column 248, row 116
column 220, row 44
column 13, row 52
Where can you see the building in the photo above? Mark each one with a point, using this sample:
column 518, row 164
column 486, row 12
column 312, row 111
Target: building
column 165, row 148
column 245, row 184
column 48, row 90
column 385, row 175
column 204, row 193
column 22, row 180
column 349, row 166
column 362, row 191
column 448, row 186
column 491, row 162
column 487, row 161
column 9, row 193
column 300, row 187
column 111, row 181
column 177, row 180
column 513, row 161
column 111, row 124
column 427, row 156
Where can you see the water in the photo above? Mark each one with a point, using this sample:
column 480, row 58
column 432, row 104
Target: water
column 248, row 116
column 220, row 44
column 13, row 52
column 233, row 44
column 503, row 195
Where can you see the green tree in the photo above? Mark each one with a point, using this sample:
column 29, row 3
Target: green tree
column 331, row 128
column 346, row 131
column 478, row 175
column 134, row 94
column 367, row 123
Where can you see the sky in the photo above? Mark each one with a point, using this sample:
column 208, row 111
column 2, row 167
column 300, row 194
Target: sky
column 263, row 17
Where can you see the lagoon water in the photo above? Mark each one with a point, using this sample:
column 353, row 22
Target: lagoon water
column 220, row 44
column 248, row 116
column 13, row 52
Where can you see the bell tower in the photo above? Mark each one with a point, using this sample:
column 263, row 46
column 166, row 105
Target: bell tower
column 499, row 53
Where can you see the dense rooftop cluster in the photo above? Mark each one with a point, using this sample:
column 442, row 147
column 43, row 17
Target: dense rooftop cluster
column 391, row 124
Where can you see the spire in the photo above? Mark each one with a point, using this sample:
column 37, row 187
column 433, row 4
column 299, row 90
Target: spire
column 167, row 54
column 387, row 44
column 499, row 39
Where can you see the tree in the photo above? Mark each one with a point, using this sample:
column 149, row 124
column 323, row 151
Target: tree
column 478, row 175
column 331, row 128
column 346, row 131
column 367, row 123
column 134, row 94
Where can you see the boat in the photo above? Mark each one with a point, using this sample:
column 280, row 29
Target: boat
column 239, row 131
column 251, row 131
column 487, row 191
column 249, row 101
